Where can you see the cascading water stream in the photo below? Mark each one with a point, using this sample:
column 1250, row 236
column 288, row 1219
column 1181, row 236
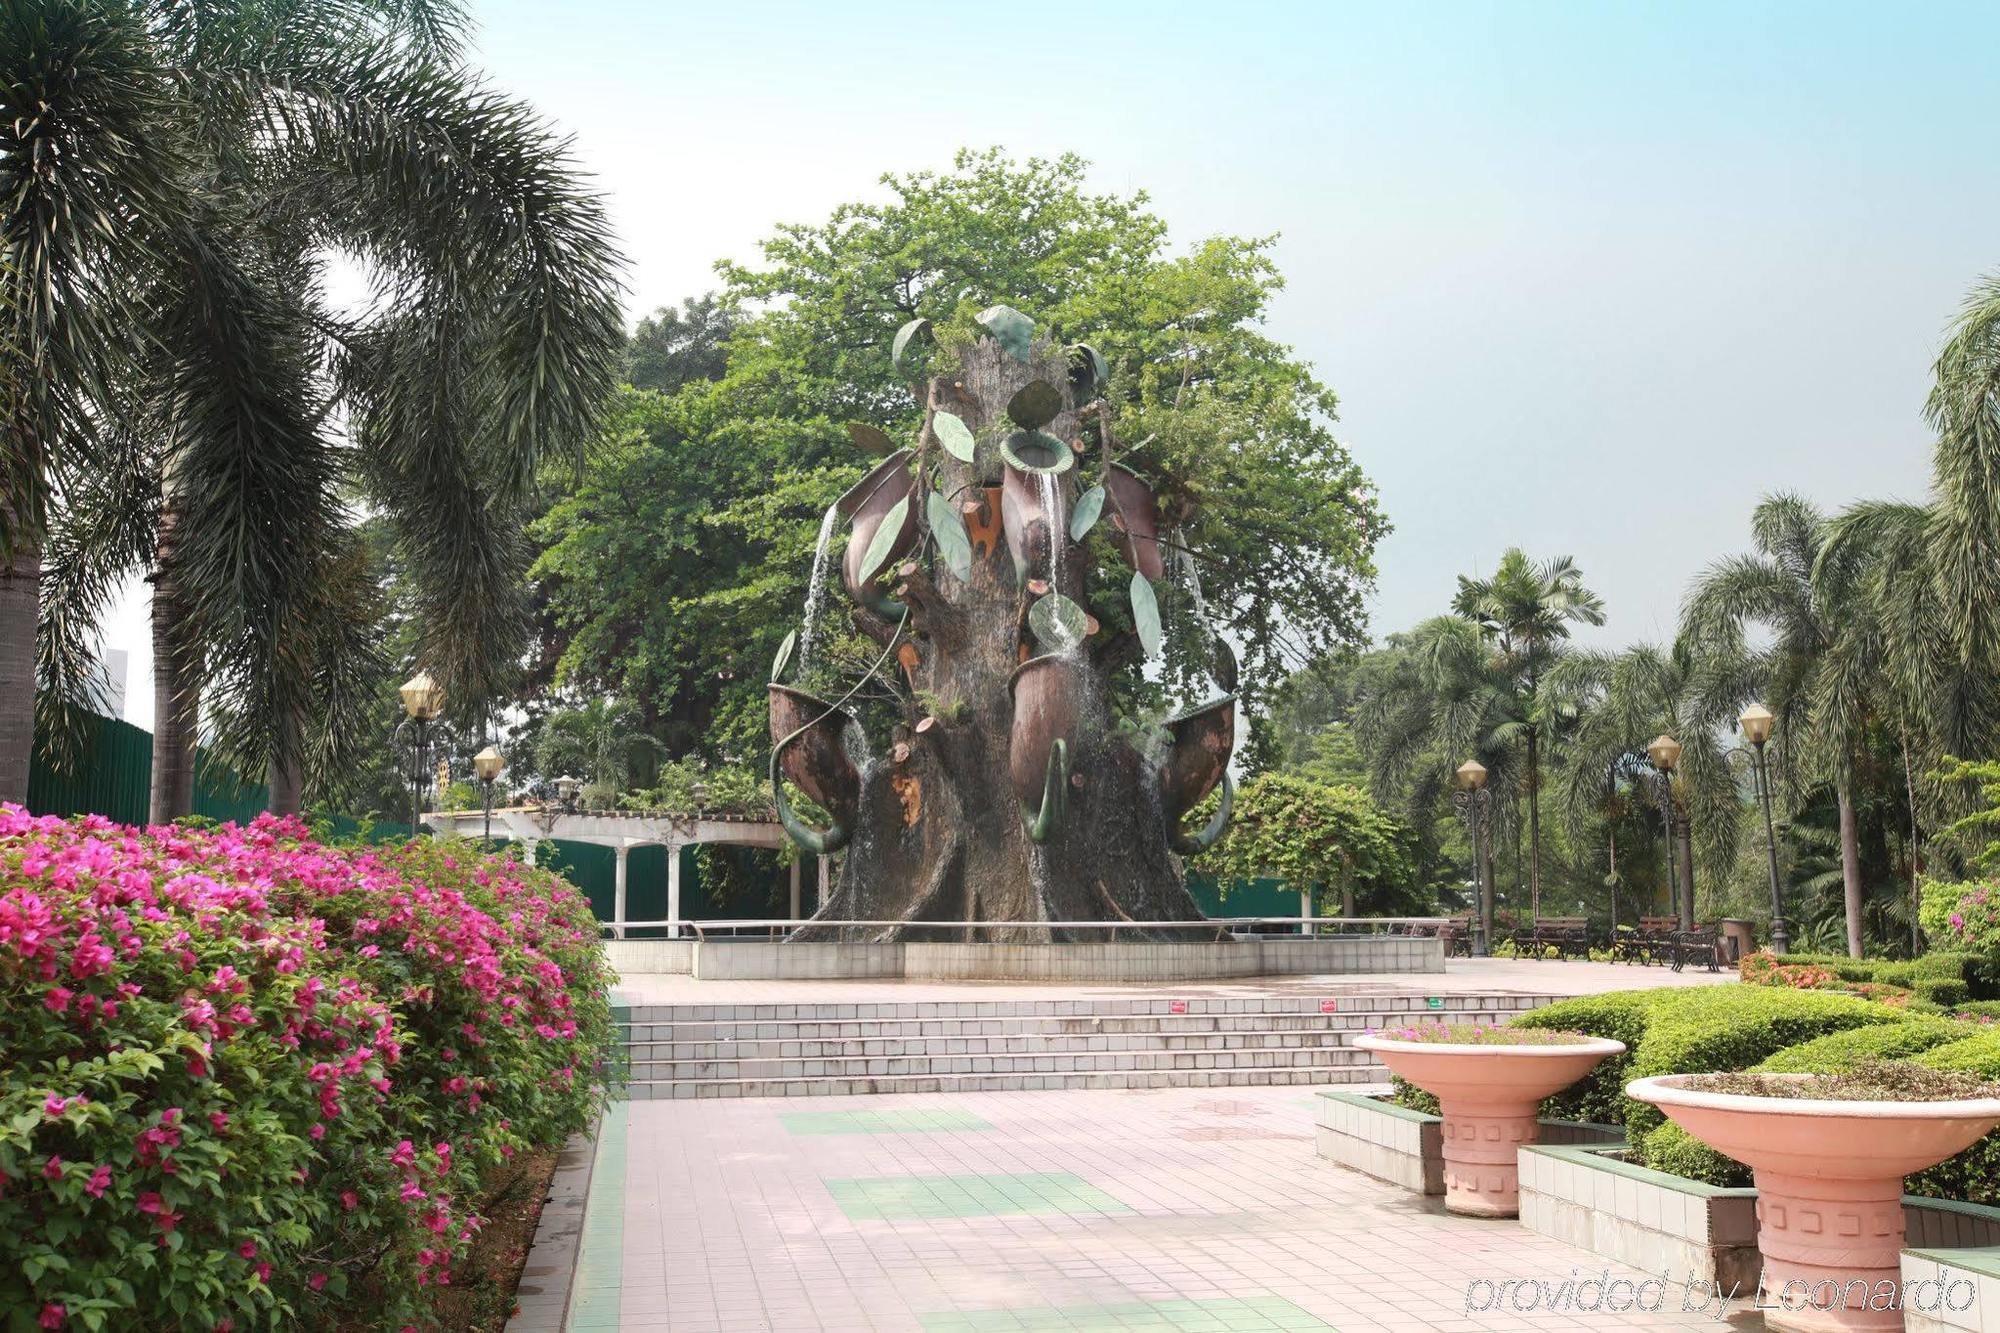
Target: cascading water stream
column 1052, row 514
column 816, row 592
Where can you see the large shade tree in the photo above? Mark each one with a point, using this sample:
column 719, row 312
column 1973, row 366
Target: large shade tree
column 179, row 180
column 677, row 599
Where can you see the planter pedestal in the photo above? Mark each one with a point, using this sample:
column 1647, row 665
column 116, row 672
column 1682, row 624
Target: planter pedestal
column 1487, row 1097
column 1481, row 1175
column 1829, row 1235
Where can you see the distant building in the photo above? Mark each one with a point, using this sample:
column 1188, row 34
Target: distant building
column 113, row 665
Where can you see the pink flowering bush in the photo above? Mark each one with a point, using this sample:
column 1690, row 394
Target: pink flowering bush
column 250, row 1080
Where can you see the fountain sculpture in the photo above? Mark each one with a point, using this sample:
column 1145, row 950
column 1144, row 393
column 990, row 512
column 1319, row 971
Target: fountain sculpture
column 1006, row 794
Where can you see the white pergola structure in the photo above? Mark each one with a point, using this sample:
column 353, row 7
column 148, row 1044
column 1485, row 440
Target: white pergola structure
column 621, row 831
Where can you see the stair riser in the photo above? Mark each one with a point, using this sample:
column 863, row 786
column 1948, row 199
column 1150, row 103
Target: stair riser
column 847, row 1087
column 674, row 1071
column 1357, row 1021
column 1028, row 1043
column 1404, row 1006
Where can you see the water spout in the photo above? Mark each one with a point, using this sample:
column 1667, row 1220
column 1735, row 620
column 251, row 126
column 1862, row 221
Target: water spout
column 816, row 593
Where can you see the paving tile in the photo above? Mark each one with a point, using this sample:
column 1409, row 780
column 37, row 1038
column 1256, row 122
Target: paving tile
column 917, row 1120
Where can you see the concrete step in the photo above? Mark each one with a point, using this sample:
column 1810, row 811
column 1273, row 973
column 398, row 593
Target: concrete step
column 1040, row 1043
column 653, row 1071
column 1054, row 1025
column 1011, row 1082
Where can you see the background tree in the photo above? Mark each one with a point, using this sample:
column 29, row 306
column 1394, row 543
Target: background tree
column 601, row 739
column 289, row 134
column 1320, row 837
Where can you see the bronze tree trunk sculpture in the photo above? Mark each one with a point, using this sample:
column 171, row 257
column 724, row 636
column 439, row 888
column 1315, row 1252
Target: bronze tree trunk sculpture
column 1006, row 797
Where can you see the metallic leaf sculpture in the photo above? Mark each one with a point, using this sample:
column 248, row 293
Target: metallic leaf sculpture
column 784, row 657
column 901, row 346
column 870, row 438
column 954, row 435
column 954, row 543
column 1089, row 376
column 884, row 541
column 1035, row 405
column 1014, row 331
column 1058, row 623
column 1084, row 517
column 1146, row 615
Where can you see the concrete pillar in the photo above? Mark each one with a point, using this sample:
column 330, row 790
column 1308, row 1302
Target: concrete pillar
column 673, row 887
column 620, row 852
column 1305, row 909
column 825, row 882
column 528, row 848
column 795, row 889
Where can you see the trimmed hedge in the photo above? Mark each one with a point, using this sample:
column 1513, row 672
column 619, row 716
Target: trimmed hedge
column 1882, row 1041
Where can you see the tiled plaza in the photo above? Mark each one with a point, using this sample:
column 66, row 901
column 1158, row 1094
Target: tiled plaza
column 1182, row 1209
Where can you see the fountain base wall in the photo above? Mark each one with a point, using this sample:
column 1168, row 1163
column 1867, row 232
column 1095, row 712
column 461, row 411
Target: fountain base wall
column 1129, row 962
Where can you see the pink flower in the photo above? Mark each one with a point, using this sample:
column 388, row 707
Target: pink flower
column 57, row 1000
column 349, row 1200
column 52, row 1316
column 53, row 1171
column 263, row 1272
column 248, row 1249
column 55, row 1105
column 316, row 1281
column 100, row 1180
column 218, row 1120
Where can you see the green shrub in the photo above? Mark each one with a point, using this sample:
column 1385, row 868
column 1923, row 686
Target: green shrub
column 1978, row 1008
column 1716, row 1028
column 1881, row 1041
column 1943, row 991
column 1620, row 1015
column 1671, row 1149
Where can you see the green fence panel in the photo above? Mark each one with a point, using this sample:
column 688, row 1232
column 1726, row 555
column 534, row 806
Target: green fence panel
column 115, row 779
column 1251, row 897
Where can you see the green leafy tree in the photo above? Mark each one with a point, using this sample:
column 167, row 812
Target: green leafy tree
column 680, row 602
column 601, row 738
column 177, row 180
column 1323, row 838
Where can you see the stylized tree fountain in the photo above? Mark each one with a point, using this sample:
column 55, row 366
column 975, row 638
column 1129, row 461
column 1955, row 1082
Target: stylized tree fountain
column 1006, row 794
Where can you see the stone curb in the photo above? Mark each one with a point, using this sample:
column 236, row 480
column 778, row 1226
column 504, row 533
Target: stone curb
column 547, row 1279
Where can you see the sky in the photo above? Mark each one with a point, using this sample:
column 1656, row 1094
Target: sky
column 1588, row 279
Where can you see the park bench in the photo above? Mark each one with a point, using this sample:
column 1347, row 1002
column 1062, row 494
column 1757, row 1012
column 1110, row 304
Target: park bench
column 1457, row 936
column 1566, row 936
column 1654, row 940
column 1701, row 945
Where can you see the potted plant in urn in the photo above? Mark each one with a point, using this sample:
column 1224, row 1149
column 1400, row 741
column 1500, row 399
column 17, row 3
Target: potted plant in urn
column 1488, row 1082
column 1829, row 1153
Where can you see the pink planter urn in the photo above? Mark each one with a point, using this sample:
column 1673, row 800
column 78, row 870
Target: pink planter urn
column 1487, row 1095
column 1829, row 1188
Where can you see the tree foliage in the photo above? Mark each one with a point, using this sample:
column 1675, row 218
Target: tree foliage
column 1330, row 839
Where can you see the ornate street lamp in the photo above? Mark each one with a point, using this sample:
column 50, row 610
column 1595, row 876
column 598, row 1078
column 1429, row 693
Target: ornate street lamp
column 1665, row 752
column 1756, row 722
column 1473, row 801
column 567, row 788
column 487, row 765
column 423, row 701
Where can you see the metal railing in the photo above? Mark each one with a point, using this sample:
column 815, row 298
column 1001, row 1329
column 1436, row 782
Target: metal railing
column 1215, row 928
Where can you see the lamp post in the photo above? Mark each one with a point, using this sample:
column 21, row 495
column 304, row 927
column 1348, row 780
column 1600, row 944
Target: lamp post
column 1756, row 723
column 1665, row 752
column 567, row 788
column 423, row 701
column 488, row 764
column 1473, row 801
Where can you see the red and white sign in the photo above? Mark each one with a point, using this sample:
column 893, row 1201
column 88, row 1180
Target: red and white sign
column 1329, row 1006
column 1176, row 1006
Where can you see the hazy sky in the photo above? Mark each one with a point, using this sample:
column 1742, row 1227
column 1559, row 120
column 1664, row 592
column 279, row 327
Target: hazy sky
column 1587, row 278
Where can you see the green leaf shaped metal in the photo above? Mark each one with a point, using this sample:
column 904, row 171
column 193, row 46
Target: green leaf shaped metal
column 1059, row 624
column 1088, row 374
column 884, row 542
column 1223, row 667
column 1014, row 331
column 784, row 657
column 1146, row 615
column 1035, row 451
column 948, row 526
column 1035, row 405
column 901, row 345
column 954, row 435
column 870, row 438
column 1084, row 517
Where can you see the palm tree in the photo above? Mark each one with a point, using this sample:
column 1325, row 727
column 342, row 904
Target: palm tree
column 603, row 737
column 177, row 181
column 1814, row 675
column 1964, row 408
column 1526, row 610
column 1606, row 707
